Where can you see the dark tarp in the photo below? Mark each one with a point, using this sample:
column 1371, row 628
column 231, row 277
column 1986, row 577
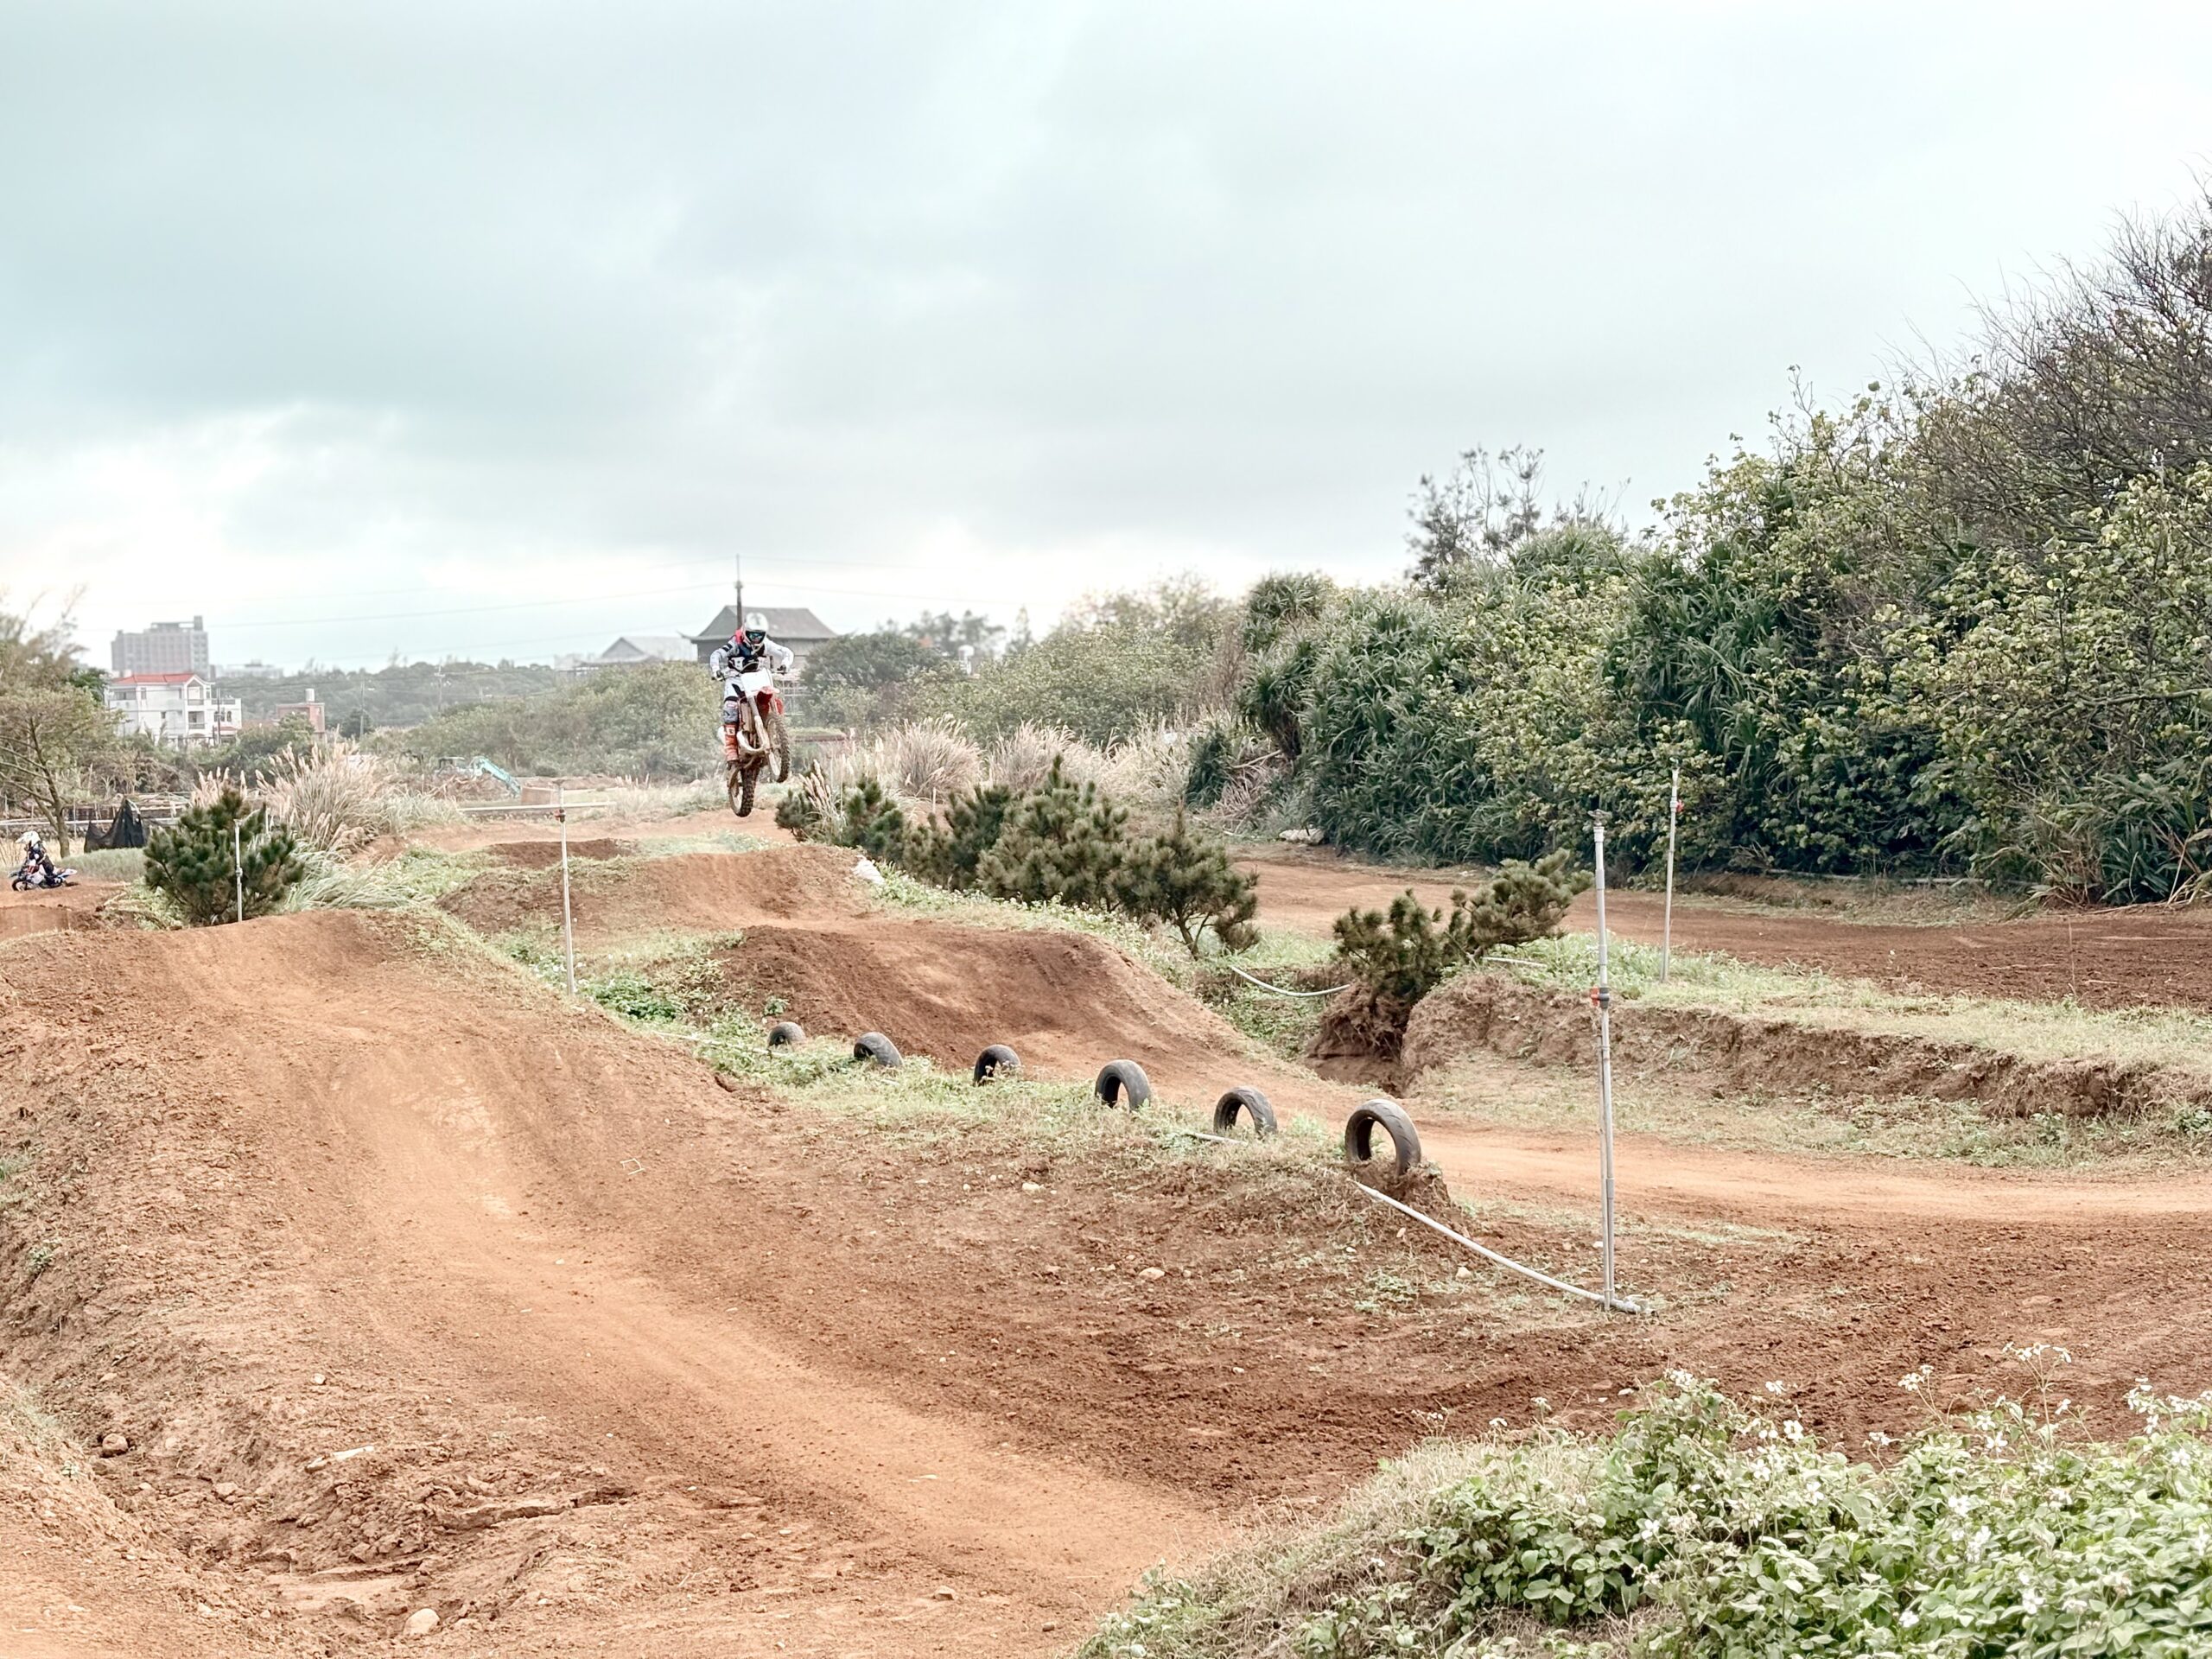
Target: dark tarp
column 128, row 829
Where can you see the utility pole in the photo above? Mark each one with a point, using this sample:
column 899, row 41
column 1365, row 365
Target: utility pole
column 737, row 568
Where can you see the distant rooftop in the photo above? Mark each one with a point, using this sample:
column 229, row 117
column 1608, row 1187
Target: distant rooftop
column 789, row 624
column 645, row 648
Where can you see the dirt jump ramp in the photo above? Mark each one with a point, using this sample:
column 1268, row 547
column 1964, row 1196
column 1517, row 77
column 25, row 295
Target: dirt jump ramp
column 702, row 891
column 385, row 1260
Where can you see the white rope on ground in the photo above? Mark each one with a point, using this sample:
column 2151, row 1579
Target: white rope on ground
column 1278, row 989
column 1506, row 1261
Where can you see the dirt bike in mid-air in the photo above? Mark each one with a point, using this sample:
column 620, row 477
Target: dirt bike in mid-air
column 34, row 875
column 754, row 735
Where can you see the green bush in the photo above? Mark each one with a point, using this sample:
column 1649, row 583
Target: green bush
column 1214, row 754
column 1731, row 1532
column 1187, row 881
column 800, row 811
column 1397, row 958
column 193, row 862
column 1118, row 665
column 1061, row 842
column 870, row 820
column 951, row 854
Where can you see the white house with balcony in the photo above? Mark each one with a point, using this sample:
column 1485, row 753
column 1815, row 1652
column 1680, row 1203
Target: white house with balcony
column 178, row 711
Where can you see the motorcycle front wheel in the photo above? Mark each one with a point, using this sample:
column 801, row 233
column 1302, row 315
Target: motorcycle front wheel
column 743, row 781
column 779, row 745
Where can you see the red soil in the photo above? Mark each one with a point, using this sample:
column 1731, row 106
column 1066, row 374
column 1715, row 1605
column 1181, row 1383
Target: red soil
column 648, row 1367
column 52, row 912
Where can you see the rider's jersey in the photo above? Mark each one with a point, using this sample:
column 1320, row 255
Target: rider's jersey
column 737, row 657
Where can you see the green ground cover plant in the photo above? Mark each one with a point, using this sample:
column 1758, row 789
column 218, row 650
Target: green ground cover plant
column 1706, row 1528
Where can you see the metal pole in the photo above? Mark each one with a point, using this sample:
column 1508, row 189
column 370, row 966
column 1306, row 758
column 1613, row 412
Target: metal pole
column 1603, row 996
column 1667, row 928
column 238, row 865
column 568, row 918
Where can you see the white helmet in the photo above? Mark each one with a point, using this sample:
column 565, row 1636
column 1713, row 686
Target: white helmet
column 28, row 841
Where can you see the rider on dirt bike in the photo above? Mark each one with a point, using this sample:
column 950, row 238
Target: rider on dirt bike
column 749, row 648
column 36, row 865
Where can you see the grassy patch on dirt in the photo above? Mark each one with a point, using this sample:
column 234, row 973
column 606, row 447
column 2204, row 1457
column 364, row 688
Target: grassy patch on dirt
column 1703, row 1527
column 2061, row 1031
column 124, row 864
column 1499, row 1090
column 1285, row 1024
column 707, row 841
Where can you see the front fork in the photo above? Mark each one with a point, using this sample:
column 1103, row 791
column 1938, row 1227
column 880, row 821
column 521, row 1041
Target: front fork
column 739, row 738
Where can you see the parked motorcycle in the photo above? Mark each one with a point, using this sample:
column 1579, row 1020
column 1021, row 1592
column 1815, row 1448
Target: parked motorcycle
column 754, row 735
column 34, row 875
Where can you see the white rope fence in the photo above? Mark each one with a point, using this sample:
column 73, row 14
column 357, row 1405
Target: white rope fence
column 1280, row 990
column 1620, row 1304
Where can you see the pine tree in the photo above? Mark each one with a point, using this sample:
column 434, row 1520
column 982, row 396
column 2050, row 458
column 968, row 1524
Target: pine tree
column 1397, row 959
column 1060, row 843
column 193, row 862
column 1187, row 881
column 952, row 854
column 871, row 821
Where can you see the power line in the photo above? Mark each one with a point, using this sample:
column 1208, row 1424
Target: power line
column 230, row 627
column 938, row 598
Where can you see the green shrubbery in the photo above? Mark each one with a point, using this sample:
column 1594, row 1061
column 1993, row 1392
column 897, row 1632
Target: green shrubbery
column 660, row 721
column 207, row 875
column 1964, row 623
column 1061, row 842
column 1397, row 959
column 1733, row 1532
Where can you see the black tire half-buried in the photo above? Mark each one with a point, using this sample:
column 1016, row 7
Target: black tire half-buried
column 874, row 1046
column 1122, row 1083
column 1390, row 1117
column 998, row 1061
column 785, row 1033
column 1248, row 1102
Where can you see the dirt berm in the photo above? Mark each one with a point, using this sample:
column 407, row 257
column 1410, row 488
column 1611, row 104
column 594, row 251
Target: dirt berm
column 409, row 1284
column 1486, row 1012
column 706, row 891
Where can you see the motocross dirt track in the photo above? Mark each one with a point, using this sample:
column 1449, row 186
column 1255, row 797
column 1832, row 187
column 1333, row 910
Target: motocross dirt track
column 2146, row 956
column 648, row 1367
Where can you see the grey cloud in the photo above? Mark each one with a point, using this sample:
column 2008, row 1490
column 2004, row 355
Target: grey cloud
column 818, row 277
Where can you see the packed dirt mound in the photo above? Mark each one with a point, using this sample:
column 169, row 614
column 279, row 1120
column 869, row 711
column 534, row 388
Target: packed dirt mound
column 412, row 1285
column 707, row 891
column 546, row 854
column 1067, row 1002
column 25, row 913
column 1480, row 1011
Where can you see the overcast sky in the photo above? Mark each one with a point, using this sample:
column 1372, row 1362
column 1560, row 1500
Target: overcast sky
column 496, row 330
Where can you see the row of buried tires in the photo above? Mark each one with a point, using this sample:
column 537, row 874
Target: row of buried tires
column 1122, row 1083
